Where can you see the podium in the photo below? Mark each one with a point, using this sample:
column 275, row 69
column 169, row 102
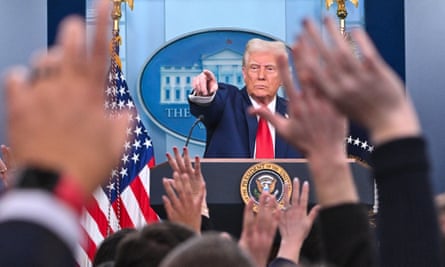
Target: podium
column 223, row 179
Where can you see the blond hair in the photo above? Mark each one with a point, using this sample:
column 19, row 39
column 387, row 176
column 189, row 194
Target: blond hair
column 260, row 45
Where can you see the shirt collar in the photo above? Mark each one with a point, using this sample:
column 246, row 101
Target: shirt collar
column 271, row 106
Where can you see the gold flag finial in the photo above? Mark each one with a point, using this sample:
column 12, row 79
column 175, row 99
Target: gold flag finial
column 116, row 13
column 342, row 13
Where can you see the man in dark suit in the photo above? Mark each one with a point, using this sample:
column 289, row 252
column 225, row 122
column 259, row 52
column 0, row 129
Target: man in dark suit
column 231, row 131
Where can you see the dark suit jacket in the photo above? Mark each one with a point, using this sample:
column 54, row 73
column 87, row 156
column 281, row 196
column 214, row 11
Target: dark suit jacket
column 25, row 243
column 231, row 131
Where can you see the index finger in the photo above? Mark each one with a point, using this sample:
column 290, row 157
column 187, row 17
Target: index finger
column 100, row 50
column 7, row 156
column 286, row 77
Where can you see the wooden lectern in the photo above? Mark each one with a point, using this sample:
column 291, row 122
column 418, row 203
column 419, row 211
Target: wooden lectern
column 223, row 178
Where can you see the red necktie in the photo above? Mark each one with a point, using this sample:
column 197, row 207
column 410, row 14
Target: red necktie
column 264, row 145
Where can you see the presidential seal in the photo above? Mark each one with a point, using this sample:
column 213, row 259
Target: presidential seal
column 265, row 176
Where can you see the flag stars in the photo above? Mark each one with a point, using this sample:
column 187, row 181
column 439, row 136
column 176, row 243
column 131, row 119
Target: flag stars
column 130, row 104
column 121, row 104
column 123, row 172
column 128, row 131
column 114, row 173
column 110, row 187
column 109, row 90
column 122, row 90
column 130, row 117
column 137, row 144
column 125, row 158
column 138, row 131
column 147, row 143
column 127, row 145
column 135, row 158
column 364, row 145
column 113, row 105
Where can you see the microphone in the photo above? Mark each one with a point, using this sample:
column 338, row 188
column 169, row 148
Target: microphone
column 199, row 119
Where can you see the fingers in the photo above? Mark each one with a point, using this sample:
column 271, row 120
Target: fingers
column 177, row 163
column 286, row 78
column 314, row 213
column 100, row 49
column 296, row 191
column 275, row 119
column 71, row 38
column 44, row 65
column 198, row 172
column 266, row 212
column 16, row 80
column 286, row 200
column 370, row 56
column 199, row 84
column 172, row 191
column 17, row 91
column 212, row 84
column 178, row 159
column 3, row 167
column 172, row 162
column 278, row 121
column 300, row 199
column 187, row 162
column 313, row 33
column 205, row 83
column 248, row 218
column 304, row 196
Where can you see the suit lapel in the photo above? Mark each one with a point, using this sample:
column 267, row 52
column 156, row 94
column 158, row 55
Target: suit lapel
column 252, row 123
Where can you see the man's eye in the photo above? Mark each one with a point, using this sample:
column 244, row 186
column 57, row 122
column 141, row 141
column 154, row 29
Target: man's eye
column 271, row 69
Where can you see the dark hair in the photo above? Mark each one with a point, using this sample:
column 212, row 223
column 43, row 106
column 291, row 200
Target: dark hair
column 107, row 249
column 208, row 250
column 150, row 245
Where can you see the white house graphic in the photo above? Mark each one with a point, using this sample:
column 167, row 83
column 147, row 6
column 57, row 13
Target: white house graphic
column 176, row 81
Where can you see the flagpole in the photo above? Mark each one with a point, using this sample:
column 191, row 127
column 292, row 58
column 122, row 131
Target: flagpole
column 116, row 13
column 342, row 13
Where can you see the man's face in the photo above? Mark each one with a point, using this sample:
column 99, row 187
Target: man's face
column 261, row 76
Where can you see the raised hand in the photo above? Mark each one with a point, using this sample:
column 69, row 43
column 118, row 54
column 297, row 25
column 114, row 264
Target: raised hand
column 55, row 114
column 364, row 88
column 295, row 222
column 205, row 84
column 259, row 229
column 185, row 201
column 180, row 203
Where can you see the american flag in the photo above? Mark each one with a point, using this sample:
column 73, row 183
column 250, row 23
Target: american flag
column 124, row 201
